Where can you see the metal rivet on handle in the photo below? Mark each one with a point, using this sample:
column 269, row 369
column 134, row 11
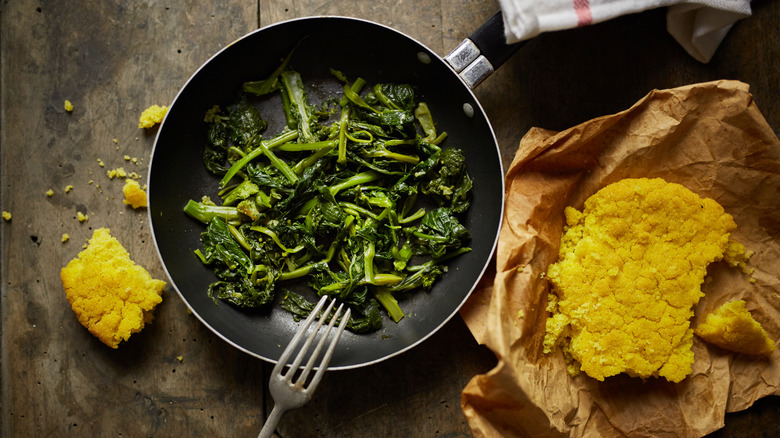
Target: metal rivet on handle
column 423, row 58
column 468, row 110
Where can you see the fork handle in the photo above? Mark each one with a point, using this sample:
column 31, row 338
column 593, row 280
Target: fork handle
column 271, row 422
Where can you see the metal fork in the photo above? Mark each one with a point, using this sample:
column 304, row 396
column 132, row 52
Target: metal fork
column 288, row 394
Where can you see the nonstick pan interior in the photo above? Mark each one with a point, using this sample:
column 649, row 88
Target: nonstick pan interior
column 358, row 49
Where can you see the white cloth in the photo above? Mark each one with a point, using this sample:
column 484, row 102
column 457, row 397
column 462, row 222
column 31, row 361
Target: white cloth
column 699, row 26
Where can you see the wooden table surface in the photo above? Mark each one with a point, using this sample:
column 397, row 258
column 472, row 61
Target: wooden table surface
column 113, row 59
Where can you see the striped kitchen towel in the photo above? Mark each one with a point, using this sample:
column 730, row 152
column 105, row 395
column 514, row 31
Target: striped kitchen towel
column 698, row 25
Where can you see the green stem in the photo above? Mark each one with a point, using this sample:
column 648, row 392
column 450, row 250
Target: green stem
column 360, row 178
column 388, row 301
column 298, row 147
column 271, row 143
column 311, row 159
column 238, row 236
column 205, row 213
column 275, row 238
column 357, row 100
column 386, row 279
column 384, row 153
column 422, row 235
column 279, row 164
column 355, row 88
column 297, row 273
column 342, row 157
column 413, row 217
column 357, row 179
column 440, row 138
column 333, row 287
column 335, row 244
column 358, row 209
column 368, row 262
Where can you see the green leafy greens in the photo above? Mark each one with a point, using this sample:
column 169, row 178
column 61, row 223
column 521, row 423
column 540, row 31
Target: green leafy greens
column 356, row 197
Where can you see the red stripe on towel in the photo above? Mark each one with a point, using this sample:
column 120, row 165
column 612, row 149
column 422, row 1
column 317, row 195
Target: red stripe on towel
column 582, row 9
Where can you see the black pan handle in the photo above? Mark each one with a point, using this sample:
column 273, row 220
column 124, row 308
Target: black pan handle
column 491, row 40
column 479, row 55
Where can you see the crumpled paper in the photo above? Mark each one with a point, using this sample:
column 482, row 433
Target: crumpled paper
column 709, row 137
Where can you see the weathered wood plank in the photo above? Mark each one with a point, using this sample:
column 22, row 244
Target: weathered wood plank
column 112, row 59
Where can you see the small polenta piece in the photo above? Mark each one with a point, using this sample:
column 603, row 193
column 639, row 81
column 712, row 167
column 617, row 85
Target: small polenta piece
column 152, row 116
column 731, row 326
column 111, row 295
column 119, row 172
column 629, row 271
column 134, row 194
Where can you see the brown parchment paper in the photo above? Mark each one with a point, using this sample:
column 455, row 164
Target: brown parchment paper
column 711, row 138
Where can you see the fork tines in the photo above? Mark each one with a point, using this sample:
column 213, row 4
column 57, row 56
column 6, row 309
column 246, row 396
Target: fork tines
column 323, row 316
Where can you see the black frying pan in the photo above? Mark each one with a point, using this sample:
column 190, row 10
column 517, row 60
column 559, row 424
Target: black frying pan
column 357, row 48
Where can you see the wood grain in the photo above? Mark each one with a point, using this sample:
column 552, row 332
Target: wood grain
column 113, row 59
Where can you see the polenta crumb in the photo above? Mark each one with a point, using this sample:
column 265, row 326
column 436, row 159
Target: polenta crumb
column 731, row 326
column 68, row 106
column 81, row 216
column 736, row 255
column 134, row 194
column 7, row 216
column 111, row 296
column 628, row 275
column 50, row 193
column 152, row 116
column 119, row 172
column 180, row 358
column 65, row 237
column 116, row 141
column 68, row 188
column 101, row 163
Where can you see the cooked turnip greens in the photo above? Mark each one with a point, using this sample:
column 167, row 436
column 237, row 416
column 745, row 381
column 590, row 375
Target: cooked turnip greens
column 358, row 197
